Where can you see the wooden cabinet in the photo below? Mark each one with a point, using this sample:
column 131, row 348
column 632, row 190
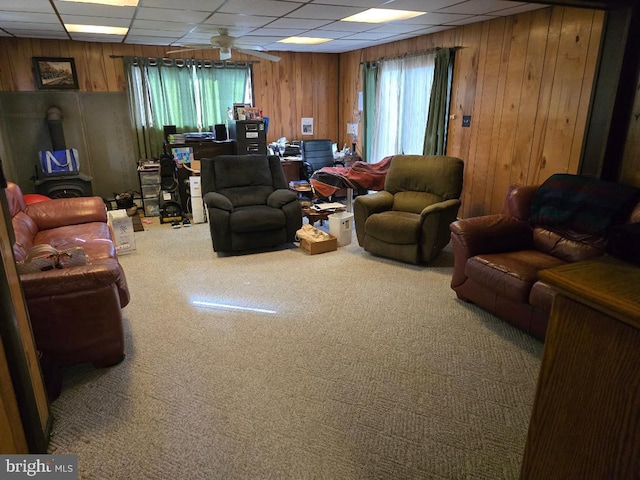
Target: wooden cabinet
column 586, row 415
column 292, row 169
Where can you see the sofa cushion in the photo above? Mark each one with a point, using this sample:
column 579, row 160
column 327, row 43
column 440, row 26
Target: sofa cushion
column 256, row 218
column 93, row 237
column 400, row 228
column 569, row 246
column 510, row 274
column 541, row 296
column 25, row 230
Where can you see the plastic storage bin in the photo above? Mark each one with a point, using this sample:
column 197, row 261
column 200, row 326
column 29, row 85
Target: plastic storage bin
column 340, row 226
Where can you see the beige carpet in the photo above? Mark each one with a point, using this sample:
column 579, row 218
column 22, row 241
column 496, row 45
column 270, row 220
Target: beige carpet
column 367, row 368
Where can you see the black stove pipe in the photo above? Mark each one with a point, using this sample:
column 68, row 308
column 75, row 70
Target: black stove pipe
column 54, row 118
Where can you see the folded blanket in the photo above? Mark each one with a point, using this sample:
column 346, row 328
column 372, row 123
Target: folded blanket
column 582, row 204
column 359, row 176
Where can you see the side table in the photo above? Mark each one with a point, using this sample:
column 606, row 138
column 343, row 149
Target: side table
column 314, row 216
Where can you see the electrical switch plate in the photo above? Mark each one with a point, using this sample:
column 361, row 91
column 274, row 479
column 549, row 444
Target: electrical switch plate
column 466, row 120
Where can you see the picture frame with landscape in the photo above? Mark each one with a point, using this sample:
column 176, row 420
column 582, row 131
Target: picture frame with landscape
column 52, row 73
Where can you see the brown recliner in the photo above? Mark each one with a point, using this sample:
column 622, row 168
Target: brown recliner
column 75, row 312
column 497, row 257
column 409, row 220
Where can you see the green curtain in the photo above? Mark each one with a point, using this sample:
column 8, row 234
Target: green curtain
column 220, row 88
column 369, row 82
column 172, row 96
column 190, row 94
column 435, row 139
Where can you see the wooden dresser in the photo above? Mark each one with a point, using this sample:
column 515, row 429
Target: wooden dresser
column 585, row 422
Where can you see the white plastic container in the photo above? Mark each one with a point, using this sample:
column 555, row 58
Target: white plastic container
column 340, row 226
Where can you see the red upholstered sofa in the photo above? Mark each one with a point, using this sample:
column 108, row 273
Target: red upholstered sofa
column 75, row 312
column 497, row 257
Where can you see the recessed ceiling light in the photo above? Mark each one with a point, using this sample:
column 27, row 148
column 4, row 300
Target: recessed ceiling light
column 305, row 40
column 381, row 15
column 96, row 29
column 113, row 3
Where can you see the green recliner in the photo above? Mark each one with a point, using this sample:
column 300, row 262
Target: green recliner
column 409, row 220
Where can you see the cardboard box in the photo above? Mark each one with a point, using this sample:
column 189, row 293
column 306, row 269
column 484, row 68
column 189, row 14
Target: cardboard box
column 319, row 247
column 122, row 228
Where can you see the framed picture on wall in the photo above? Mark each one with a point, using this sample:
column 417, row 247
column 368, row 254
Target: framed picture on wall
column 55, row 73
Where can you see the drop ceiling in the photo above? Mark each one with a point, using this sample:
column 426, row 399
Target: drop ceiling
column 260, row 23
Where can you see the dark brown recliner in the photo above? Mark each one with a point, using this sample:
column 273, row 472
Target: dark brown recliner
column 497, row 257
column 248, row 202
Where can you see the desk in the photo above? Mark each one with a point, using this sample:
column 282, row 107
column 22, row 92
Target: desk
column 586, row 414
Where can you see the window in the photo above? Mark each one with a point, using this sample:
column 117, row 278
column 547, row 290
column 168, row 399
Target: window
column 403, row 92
column 193, row 95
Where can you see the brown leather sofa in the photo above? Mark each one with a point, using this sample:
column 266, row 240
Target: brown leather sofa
column 75, row 312
column 497, row 257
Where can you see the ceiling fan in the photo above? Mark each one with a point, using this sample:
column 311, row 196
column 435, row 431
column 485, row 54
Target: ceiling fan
column 225, row 43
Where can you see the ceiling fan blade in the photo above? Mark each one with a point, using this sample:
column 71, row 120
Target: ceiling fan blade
column 258, row 54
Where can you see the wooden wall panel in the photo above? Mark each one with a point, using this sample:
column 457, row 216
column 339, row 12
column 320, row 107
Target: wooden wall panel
column 300, row 85
column 525, row 80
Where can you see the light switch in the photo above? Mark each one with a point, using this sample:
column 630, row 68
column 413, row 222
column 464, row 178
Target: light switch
column 466, row 120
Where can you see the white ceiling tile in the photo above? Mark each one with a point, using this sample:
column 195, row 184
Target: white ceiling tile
column 420, row 5
column 256, row 22
column 93, row 10
column 161, row 26
column 36, row 6
column 298, row 23
column 527, row 7
column 479, row 7
column 352, row 3
column 28, row 17
column 163, row 14
column 434, row 19
column 259, row 7
column 239, row 20
column 279, row 32
column 102, row 21
column 324, row 12
column 140, row 32
column 472, row 19
column 198, row 5
column 349, row 26
column 149, row 40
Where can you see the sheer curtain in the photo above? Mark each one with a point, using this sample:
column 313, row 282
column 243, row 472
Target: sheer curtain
column 190, row 94
column 402, row 105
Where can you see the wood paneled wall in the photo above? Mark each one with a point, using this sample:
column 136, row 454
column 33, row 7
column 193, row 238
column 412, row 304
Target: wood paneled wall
column 300, row 85
column 526, row 82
